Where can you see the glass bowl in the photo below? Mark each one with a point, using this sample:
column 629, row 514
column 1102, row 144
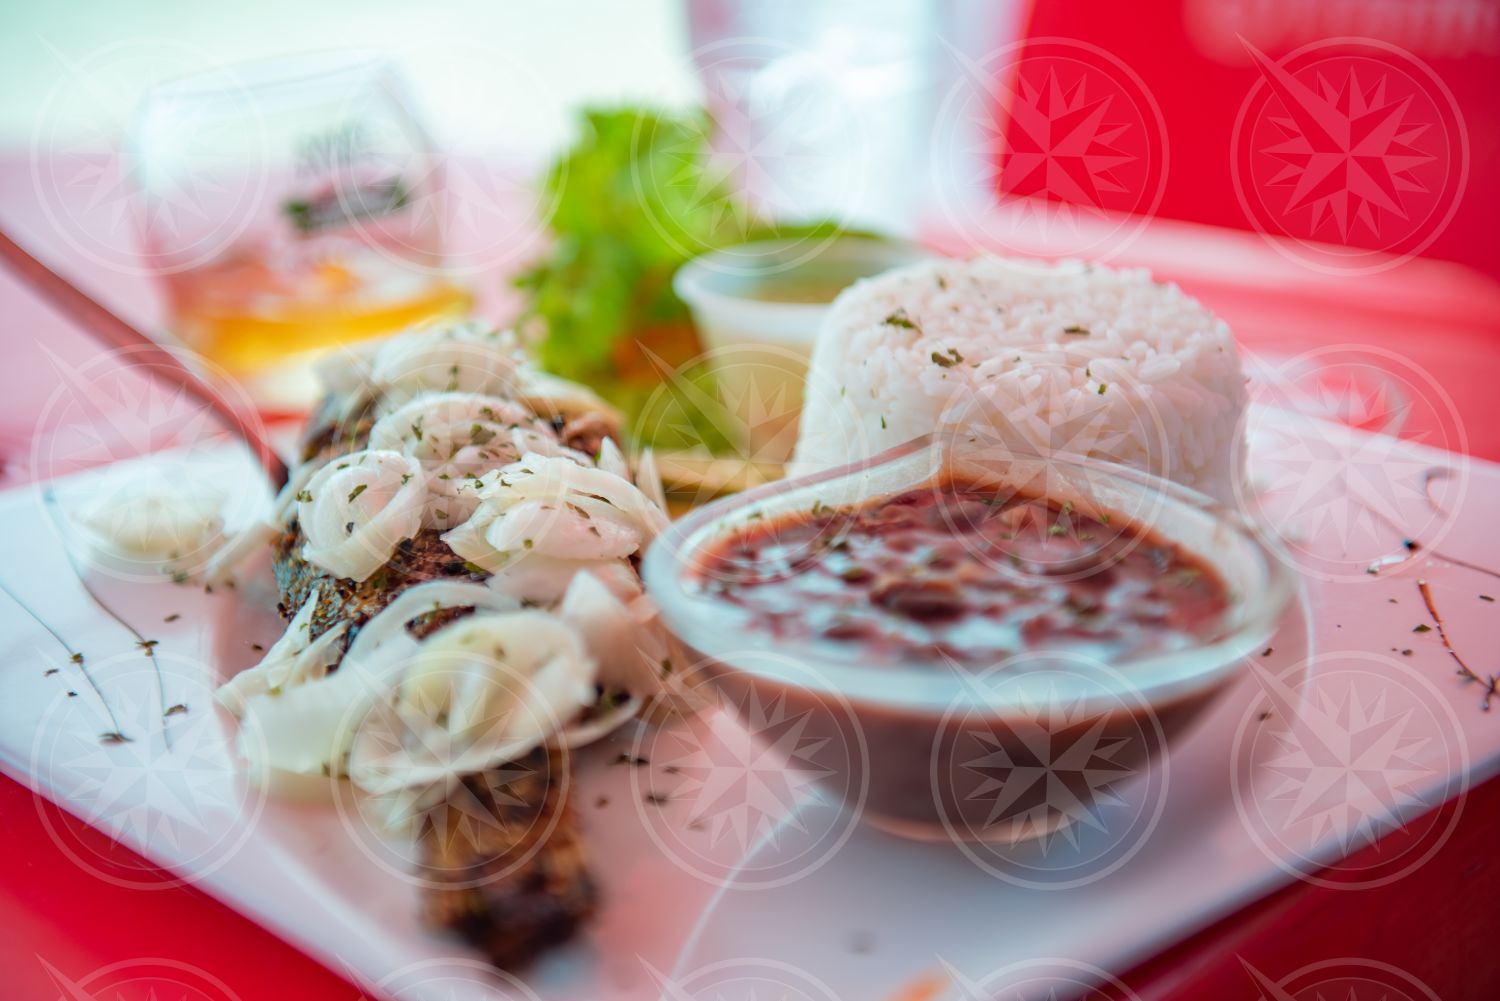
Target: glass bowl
column 898, row 742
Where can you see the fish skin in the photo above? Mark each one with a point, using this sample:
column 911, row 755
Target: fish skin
column 422, row 558
column 521, row 885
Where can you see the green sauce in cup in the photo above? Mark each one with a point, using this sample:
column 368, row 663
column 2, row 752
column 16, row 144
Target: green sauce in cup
column 758, row 307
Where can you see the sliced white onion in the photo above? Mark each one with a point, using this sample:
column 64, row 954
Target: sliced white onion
column 239, row 548
column 625, row 637
column 645, row 476
column 345, row 371
column 604, row 721
column 152, row 516
column 388, row 629
column 457, row 437
column 358, row 508
column 482, row 691
column 307, row 729
column 468, row 356
column 543, row 580
column 554, row 507
column 562, row 530
column 297, row 482
column 648, row 478
column 548, row 445
column 612, row 460
column 293, row 660
column 253, row 539
column 555, row 396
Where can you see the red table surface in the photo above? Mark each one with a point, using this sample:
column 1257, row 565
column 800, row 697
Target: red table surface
column 1438, row 924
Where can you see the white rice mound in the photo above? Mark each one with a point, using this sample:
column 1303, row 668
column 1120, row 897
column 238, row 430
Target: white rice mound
column 1068, row 358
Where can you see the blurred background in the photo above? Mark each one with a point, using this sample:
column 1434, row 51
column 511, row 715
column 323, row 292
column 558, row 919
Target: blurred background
column 509, row 78
column 579, row 52
column 260, row 182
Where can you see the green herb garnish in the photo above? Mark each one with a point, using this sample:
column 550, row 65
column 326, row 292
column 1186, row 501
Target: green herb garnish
column 629, row 203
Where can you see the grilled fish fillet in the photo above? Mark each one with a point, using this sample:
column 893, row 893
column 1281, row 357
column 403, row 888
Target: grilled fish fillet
column 503, row 862
column 516, row 886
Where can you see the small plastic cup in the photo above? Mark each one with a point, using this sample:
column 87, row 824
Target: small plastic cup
column 758, row 307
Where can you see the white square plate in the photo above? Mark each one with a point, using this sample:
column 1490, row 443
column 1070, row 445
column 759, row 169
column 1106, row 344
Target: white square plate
column 718, row 864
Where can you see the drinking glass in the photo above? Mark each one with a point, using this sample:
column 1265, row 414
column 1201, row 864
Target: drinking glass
column 288, row 206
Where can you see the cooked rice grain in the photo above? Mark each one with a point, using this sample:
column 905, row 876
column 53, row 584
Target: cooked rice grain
column 1072, row 358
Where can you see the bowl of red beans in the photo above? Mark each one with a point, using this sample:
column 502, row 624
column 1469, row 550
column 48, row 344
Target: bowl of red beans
column 931, row 621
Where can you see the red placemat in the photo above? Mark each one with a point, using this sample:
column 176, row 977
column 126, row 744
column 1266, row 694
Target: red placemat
column 70, row 931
